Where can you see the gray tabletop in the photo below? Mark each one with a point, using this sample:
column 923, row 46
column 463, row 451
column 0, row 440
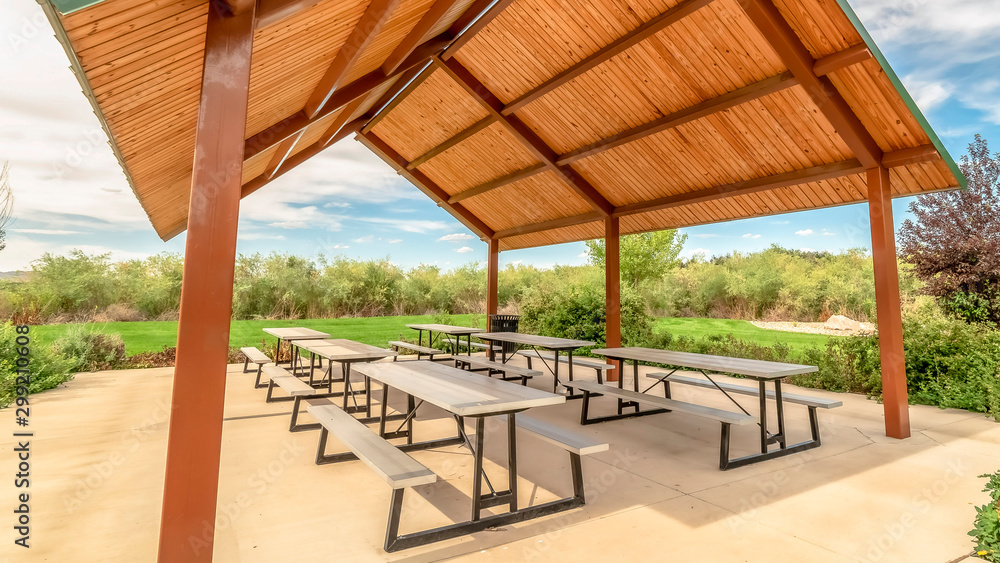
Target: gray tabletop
column 447, row 329
column 458, row 391
column 296, row 333
column 547, row 342
column 751, row 368
column 340, row 349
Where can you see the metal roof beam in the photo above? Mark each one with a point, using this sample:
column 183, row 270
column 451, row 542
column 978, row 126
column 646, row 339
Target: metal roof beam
column 708, row 107
column 361, row 87
column 620, row 45
column 426, row 185
column 525, row 135
column 790, row 49
column 273, row 11
column 367, row 28
column 515, row 176
column 431, row 19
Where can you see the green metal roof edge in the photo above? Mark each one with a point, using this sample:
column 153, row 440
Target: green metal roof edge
column 50, row 10
column 70, row 6
column 963, row 182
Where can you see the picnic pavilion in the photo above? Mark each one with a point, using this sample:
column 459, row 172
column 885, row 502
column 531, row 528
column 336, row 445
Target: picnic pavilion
column 532, row 122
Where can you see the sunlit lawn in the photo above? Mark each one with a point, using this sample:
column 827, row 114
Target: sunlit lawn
column 155, row 335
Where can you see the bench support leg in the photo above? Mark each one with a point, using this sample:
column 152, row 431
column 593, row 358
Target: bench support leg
column 585, row 417
column 789, row 450
column 257, row 384
column 246, row 363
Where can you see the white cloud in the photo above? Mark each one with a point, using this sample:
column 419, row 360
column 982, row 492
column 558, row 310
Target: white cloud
column 697, row 251
column 289, row 225
column 260, row 236
column 516, row 262
column 364, row 239
column 807, row 250
column 419, row 226
column 456, row 237
column 780, row 222
column 45, row 232
column 927, row 94
column 750, row 235
column 395, row 240
column 583, row 254
column 805, row 232
column 464, row 250
column 339, row 204
column 706, row 235
column 340, row 246
column 828, row 233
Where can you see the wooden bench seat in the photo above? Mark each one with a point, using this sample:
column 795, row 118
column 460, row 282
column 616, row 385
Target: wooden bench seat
column 806, row 400
column 394, row 466
column 597, row 366
column 253, row 355
column 297, row 391
column 433, row 354
column 507, row 372
column 627, row 398
column 566, row 439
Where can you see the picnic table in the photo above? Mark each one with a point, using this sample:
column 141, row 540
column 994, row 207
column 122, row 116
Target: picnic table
column 762, row 372
column 553, row 344
column 462, row 394
column 345, row 352
column 456, row 331
column 287, row 334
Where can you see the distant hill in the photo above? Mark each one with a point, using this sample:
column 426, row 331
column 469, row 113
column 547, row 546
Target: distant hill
column 13, row 275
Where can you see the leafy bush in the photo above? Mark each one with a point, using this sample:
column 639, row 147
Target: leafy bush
column 46, row 369
column 90, row 351
column 578, row 312
column 986, row 529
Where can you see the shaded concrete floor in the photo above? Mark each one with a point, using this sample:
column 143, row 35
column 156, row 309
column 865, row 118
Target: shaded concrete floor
column 99, row 445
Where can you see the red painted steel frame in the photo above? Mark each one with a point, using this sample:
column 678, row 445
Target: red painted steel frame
column 890, row 319
column 187, row 525
column 612, row 286
column 493, row 267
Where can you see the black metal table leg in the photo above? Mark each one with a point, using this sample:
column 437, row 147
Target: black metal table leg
column 512, row 461
column 780, row 413
column 477, row 482
column 763, row 417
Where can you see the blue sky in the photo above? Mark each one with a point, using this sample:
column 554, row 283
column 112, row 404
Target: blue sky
column 70, row 192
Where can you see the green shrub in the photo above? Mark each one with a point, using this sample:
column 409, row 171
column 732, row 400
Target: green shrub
column 986, row 528
column 90, row 351
column 46, row 369
column 578, row 312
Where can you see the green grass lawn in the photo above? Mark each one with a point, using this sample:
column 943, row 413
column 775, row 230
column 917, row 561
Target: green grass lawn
column 743, row 330
column 155, row 335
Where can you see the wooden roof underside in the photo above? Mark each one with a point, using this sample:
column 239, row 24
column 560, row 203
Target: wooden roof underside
column 528, row 120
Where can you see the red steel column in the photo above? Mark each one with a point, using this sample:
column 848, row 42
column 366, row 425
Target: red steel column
column 492, row 277
column 187, row 524
column 890, row 317
column 612, row 286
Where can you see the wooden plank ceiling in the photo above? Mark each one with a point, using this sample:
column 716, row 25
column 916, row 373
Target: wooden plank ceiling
column 528, row 120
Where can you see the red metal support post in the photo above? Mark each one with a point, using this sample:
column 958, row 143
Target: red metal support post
column 612, row 286
column 492, row 277
column 191, row 483
column 890, row 318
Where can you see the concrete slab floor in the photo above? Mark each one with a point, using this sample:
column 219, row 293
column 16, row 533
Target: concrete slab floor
column 99, row 444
